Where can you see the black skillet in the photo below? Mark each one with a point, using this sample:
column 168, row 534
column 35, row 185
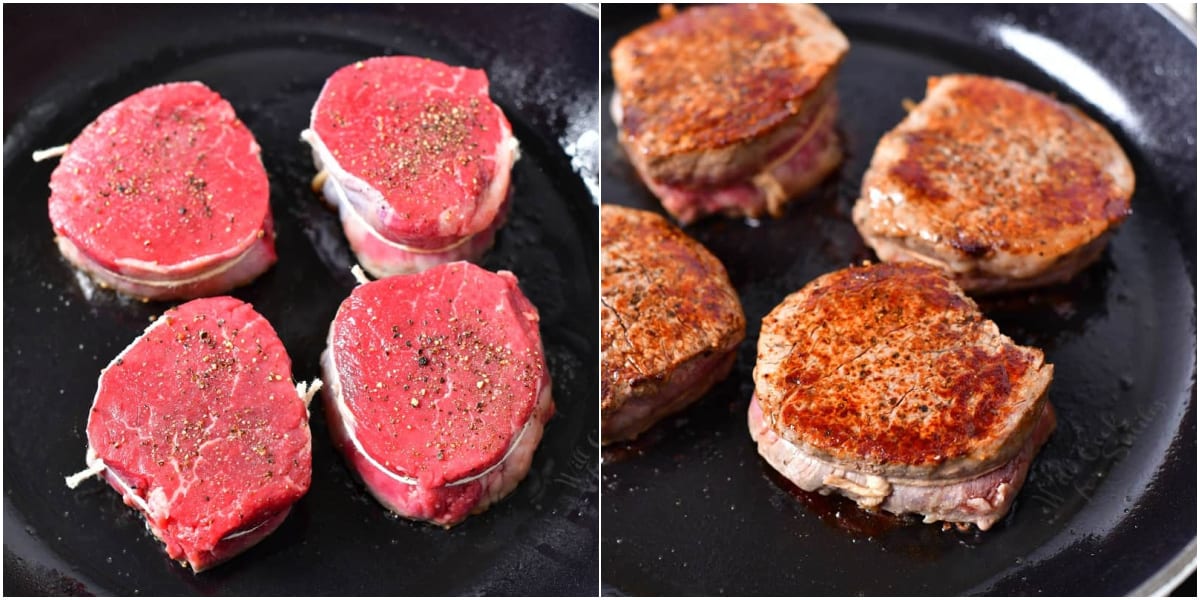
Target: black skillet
column 64, row 66
column 1110, row 505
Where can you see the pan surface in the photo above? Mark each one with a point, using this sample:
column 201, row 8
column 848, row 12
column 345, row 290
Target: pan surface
column 63, row 67
column 1110, row 504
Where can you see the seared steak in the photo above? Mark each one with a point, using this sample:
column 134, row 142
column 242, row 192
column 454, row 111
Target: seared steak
column 416, row 157
column 981, row 500
column 1001, row 186
column 437, row 390
column 198, row 426
column 885, row 383
column 164, row 196
column 710, row 100
column 670, row 321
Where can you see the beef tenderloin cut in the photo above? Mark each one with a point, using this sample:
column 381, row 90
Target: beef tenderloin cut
column 999, row 185
column 725, row 108
column 670, row 321
column 198, row 426
column 884, row 383
column 417, row 159
column 437, row 389
column 164, row 196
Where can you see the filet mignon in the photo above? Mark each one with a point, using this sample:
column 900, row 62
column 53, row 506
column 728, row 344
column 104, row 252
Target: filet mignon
column 730, row 108
column 884, row 383
column 198, row 425
column 670, row 321
column 164, row 196
column 1001, row 186
column 417, row 159
column 437, row 389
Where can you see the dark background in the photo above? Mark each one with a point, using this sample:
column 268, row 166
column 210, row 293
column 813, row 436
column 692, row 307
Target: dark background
column 64, row 65
column 1110, row 502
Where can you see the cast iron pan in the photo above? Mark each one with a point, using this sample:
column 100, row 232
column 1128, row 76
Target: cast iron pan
column 1110, row 505
column 63, row 67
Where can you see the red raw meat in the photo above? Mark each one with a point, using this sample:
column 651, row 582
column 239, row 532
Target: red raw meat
column 164, row 196
column 198, row 425
column 437, row 389
column 415, row 154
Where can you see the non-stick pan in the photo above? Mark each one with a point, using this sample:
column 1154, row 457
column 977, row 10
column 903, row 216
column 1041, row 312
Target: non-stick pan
column 63, row 66
column 1110, row 504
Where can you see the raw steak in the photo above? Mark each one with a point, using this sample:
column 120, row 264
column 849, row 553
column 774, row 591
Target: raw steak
column 437, row 389
column 198, row 425
column 416, row 157
column 164, row 196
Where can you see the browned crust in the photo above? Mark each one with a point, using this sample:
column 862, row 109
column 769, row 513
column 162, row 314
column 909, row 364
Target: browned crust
column 986, row 175
column 665, row 300
column 891, row 370
column 713, row 77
